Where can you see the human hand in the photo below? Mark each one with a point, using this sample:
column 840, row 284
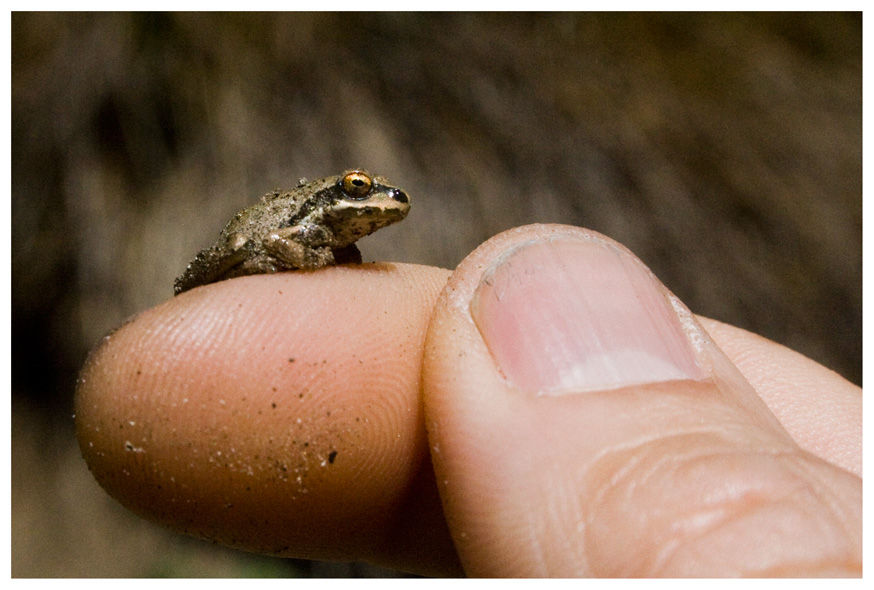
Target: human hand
column 579, row 419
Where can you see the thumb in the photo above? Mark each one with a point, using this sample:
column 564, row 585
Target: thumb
column 582, row 423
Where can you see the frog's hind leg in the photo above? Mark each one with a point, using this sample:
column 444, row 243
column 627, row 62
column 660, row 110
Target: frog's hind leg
column 209, row 266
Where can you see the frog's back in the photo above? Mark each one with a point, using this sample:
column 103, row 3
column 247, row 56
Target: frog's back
column 268, row 213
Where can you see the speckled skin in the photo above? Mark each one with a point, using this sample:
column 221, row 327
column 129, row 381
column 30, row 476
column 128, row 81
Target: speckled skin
column 314, row 225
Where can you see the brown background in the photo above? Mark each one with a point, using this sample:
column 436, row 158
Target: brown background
column 725, row 150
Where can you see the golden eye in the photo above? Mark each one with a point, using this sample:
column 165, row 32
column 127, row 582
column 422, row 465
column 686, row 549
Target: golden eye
column 356, row 184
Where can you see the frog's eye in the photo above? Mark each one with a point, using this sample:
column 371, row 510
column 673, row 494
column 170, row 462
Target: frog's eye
column 356, row 184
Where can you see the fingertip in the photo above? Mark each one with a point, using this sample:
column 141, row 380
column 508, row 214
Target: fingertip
column 277, row 414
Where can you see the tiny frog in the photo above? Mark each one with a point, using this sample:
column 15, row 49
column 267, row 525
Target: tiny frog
column 311, row 226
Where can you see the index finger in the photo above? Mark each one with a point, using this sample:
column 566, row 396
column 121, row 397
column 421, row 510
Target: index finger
column 277, row 414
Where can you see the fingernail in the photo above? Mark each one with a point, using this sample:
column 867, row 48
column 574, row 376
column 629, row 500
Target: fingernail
column 572, row 314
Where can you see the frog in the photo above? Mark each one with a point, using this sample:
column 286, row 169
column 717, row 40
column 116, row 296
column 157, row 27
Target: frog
column 309, row 227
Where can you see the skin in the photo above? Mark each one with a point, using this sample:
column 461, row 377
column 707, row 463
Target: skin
column 380, row 380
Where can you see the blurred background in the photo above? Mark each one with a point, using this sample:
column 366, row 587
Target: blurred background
column 723, row 149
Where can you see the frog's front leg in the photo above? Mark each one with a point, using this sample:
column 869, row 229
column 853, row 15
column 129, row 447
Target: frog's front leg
column 301, row 246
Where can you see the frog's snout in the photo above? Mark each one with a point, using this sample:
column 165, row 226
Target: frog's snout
column 399, row 195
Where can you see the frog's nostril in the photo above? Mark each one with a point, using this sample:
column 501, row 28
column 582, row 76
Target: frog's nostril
column 399, row 196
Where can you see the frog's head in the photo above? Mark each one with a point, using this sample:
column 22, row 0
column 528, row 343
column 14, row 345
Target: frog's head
column 362, row 204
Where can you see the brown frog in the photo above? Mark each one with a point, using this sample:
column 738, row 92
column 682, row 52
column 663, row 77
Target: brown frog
column 311, row 226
